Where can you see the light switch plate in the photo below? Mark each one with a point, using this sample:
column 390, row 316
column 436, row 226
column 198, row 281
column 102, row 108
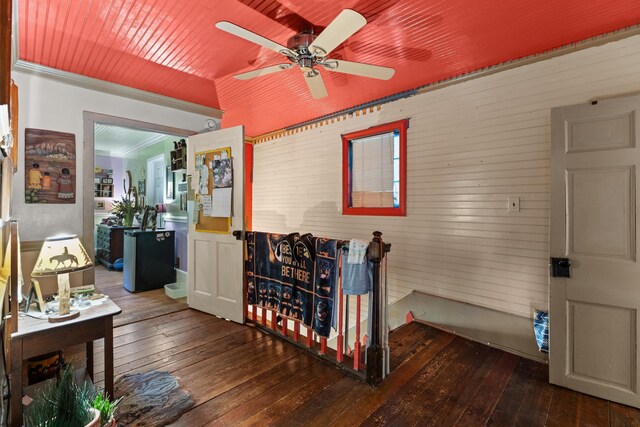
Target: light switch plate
column 513, row 204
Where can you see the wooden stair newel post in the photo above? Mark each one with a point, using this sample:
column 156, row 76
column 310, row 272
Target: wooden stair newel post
column 374, row 352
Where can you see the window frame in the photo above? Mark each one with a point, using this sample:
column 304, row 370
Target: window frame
column 399, row 125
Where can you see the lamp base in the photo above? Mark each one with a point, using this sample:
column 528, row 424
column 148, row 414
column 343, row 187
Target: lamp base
column 56, row 318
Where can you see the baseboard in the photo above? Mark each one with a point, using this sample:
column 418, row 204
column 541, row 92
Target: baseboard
column 505, row 331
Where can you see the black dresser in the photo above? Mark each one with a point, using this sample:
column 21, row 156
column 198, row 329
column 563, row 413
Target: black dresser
column 110, row 244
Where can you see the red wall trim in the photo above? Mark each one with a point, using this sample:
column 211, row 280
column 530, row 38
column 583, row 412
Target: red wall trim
column 401, row 126
column 248, row 186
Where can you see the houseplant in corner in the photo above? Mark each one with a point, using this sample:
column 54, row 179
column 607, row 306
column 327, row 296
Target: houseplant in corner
column 126, row 208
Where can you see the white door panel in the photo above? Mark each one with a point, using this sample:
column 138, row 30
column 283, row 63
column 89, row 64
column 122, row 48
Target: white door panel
column 594, row 185
column 215, row 270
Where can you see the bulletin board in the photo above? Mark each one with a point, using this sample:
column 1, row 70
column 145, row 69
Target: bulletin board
column 211, row 224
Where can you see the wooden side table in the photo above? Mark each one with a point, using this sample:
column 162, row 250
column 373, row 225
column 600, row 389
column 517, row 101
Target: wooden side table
column 36, row 337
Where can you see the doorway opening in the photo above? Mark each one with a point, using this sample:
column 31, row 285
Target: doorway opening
column 130, row 161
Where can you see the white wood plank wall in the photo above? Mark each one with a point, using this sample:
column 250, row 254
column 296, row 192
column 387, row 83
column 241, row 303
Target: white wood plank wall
column 470, row 146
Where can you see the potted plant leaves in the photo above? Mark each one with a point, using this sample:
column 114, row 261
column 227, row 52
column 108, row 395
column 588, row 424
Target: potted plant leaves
column 107, row 408
column 125, row 209
column 64, row 403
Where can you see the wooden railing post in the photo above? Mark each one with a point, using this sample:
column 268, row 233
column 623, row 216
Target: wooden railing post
column 374, row 352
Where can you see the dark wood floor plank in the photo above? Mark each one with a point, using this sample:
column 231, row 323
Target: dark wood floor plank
column 196, row 336
column 157, row 321
column 220, row 351
column 444, row 384
column 360, row 403
column 622, row 415
column 241, row 376
column 482, row 404
column 318, row 404
column 170, row 329
column 213, row 379
column 536, row 401
column 404, row 401
column 274, row 403
column 460, row 396
column 406, row 340
column 274, row 411
column 594, row 411
column 139, row 306
column 171, row 360
column 564, row 408
column 509, row 404
column 220, row 405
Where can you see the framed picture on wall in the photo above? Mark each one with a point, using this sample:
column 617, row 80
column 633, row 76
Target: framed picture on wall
column 50, row 166
column 170, row 184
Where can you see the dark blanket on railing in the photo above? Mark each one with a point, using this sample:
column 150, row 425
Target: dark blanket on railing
column 294, row 275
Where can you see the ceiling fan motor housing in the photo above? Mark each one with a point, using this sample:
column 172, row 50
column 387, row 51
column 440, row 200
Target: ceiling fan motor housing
column 299, row 44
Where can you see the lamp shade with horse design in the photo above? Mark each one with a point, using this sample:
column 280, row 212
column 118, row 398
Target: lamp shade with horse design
column 60, row 256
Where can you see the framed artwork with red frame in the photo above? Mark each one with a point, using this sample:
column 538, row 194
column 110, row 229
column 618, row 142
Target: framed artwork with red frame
column 387, row 144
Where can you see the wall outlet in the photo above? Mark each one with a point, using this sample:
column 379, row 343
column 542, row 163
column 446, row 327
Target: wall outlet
column 513, row 204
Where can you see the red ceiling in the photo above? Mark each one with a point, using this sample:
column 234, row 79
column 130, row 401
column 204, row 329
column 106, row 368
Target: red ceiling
column 172, row 47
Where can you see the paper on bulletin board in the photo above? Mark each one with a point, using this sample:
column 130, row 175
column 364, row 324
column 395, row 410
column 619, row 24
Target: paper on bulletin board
column 192, row 211
column 222, row 173
column 209, row 160
column 222, row 202
column 207, row 203
column 203, row 179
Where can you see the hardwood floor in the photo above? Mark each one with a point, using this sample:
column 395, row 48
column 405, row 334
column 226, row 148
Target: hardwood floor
column 241, row 376
column 138, row 306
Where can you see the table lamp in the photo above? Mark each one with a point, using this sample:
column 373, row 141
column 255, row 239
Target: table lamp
column 60, row 256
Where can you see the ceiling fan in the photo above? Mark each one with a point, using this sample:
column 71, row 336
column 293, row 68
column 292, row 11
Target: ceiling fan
column 309, row 52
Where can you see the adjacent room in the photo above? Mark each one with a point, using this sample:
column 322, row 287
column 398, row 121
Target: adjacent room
column 359, row 212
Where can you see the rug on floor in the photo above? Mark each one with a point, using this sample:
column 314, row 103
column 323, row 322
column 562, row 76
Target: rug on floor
column 150, row 399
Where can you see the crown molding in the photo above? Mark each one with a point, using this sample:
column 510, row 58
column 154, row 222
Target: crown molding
column 135, row 148
column 129, row 150
column 114, row 88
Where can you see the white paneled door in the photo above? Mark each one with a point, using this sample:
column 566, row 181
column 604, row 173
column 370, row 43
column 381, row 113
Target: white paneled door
column 215, row 260
column 594, row 195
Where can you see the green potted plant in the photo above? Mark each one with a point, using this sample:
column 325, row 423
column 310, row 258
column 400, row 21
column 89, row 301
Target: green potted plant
column 126, row 208
column 62, row 402
column 107, row 408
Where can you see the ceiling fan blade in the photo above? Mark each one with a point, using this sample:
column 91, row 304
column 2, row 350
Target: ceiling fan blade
column 262, row 71
column 315, row 83
column 341, row 28
column 359, row 69
column 238, row 31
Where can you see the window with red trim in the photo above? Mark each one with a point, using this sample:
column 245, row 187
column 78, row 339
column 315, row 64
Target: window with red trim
column 374, row 170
